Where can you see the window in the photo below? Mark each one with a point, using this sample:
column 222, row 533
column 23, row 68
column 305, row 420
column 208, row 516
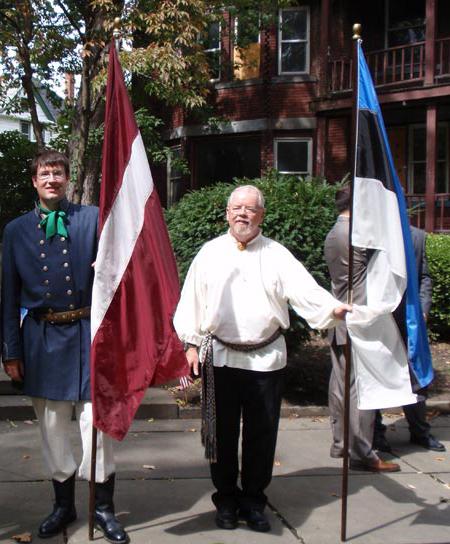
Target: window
column 293, row 155
column 223, row 159
column 176, row 185
column 25, row 129
column 405, row 22
column 211, row 46
column 293, row 41
column 417, row 166
column 246, row 48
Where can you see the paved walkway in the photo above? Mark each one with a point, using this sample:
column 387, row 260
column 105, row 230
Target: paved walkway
column 163, row 489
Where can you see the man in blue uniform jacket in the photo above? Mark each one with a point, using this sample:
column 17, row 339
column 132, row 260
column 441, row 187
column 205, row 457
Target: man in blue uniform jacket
column 47, row 275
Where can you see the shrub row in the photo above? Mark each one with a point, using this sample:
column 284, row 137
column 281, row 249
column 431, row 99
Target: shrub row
column 299, row 215
column 438, row 255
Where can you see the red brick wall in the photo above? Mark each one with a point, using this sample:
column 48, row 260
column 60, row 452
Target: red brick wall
column 337, row 160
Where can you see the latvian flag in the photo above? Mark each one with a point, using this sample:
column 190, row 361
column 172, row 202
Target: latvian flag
column 136, row 284
column 386, row 370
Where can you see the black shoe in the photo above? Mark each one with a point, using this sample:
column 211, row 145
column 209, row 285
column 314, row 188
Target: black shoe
column 256, row 520
column 56, row 521
column 64, row 510
column 428, row 442
column 226, row 518
column 381, row 444
column 105, row 519
column 111, row 527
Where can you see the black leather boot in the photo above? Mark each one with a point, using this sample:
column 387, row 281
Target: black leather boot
column 104, row 512
column 63, row 511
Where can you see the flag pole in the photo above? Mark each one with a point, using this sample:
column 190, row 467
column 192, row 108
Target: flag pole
column 348, row 351
column 116, row 37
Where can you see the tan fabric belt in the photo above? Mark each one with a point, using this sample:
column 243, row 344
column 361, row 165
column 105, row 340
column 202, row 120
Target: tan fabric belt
column 70, row 316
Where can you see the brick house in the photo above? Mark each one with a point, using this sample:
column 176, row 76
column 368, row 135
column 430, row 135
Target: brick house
column 287, row 99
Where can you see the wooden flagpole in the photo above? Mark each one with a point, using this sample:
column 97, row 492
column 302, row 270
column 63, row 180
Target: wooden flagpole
column 116, row 36
column 348, row 351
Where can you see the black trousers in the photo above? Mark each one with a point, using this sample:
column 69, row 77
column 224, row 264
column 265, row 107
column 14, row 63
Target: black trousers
column 257, row 397
column 416, row 416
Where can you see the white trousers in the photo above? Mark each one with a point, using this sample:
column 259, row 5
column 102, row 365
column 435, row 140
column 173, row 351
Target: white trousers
column 54, row 418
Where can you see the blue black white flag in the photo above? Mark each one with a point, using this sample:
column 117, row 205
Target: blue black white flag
column 386, row 370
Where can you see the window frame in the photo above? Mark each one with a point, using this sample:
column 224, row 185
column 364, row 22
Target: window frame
column 170, row 178
column 219, row 50
column 27, row 134
column 412, row 162
column 281, row 41
column 291, row 139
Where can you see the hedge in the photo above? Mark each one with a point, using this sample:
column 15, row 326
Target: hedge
column 438, row 255
column 299, row 214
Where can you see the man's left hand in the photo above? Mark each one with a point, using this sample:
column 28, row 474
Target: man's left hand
column 341, row 311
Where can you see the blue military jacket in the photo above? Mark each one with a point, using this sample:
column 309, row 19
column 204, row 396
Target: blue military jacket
column 54, row 275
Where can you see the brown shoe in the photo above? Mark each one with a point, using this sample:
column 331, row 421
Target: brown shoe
column 375, row 466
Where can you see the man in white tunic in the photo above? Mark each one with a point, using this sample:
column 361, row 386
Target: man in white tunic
column 234, row 304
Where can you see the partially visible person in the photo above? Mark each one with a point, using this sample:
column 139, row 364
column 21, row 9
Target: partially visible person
column 234, row 304
column 47, row 277
column 415, row 414
column 361, row 422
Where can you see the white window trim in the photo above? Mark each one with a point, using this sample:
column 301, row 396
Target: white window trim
column 29, row 134
column 219, row 49
column 411, row 162
column 293, row 139
column 307, row 40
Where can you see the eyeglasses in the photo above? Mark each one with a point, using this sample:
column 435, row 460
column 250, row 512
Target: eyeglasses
column 235, row 210
column 56, row 174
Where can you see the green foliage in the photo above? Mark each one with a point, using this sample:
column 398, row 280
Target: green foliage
column 438, row 255
column 299, row 214
column 16, row 190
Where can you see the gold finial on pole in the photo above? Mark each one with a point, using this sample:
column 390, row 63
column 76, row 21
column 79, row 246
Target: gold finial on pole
column 356, row 31
column 117, row 25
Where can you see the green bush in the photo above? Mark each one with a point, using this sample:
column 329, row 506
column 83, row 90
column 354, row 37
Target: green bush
column 16, row 190
column 299, row 214
column 438, row 255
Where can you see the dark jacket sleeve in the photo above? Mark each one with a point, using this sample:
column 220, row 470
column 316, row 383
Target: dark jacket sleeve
column 425, row 282
column 10, row 303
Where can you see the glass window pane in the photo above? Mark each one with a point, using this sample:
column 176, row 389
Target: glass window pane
column 214, row 63
column 441, row 178
column 212, row 38
column 227, row 159
column 406, row 13
column 419, row 176
column 178, row 189
column 442, row 144
column 292, row 156
column 293, row 25
column 419, row 144
column 293, row 57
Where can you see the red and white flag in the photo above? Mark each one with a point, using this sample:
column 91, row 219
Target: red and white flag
column 136, row 286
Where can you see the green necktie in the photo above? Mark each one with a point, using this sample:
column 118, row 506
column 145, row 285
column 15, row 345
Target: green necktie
column 54, row 222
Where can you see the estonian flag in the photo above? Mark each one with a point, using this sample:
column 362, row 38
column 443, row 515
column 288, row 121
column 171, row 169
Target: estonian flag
column 383, row 364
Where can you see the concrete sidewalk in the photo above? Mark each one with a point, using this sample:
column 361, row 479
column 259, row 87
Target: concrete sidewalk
column 163, row 489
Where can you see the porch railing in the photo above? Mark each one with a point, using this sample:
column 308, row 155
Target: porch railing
column 417, row 210
column 402, row 64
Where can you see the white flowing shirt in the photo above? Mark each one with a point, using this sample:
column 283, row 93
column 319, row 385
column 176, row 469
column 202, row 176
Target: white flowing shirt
column 242, row 297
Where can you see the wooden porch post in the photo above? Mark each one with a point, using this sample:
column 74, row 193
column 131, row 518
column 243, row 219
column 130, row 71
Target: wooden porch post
column 431, row 133
column 324, row 43
column 430, row 37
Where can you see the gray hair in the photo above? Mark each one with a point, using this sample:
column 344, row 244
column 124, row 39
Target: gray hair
column 251, row 188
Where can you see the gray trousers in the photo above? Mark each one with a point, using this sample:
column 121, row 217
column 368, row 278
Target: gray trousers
column 361, row 422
